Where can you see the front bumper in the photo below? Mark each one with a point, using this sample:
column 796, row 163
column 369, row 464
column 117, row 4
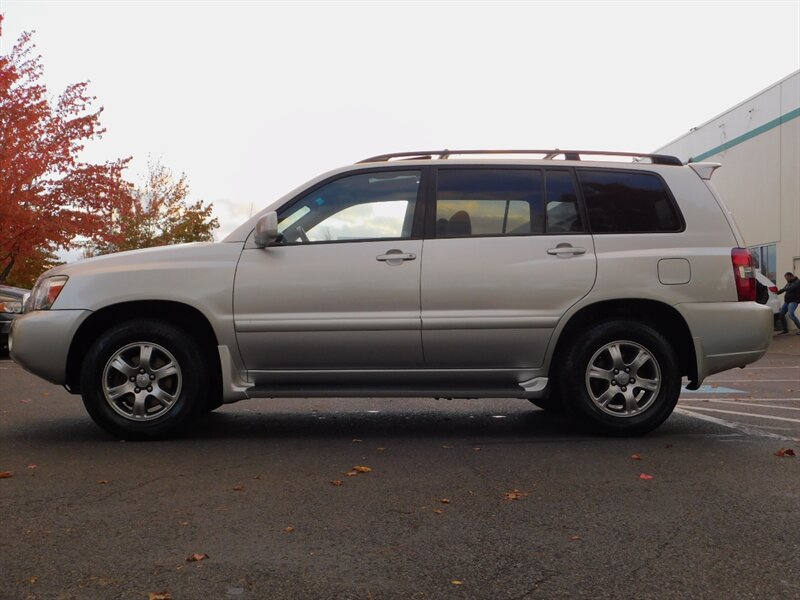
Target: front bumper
column 727, row 334
column 40, row 340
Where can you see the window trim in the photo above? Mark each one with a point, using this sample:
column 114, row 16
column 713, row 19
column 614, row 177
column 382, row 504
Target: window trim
column 670, row 198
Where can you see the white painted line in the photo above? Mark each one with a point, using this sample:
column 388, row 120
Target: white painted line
column 748, row 370
column 738, row 403
column 744, row 414
column 743, row 399
column 749, row 380
column 737, row 426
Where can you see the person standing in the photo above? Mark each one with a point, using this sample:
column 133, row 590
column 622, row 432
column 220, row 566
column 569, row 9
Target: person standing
column 790, row 302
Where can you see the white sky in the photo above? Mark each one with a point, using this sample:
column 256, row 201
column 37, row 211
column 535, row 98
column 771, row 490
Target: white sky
column 251, row 99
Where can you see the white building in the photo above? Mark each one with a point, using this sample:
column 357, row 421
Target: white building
column 758, row 143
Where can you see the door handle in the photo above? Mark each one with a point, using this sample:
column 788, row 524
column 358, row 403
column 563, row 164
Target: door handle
column 396, row 257
column 565, row 249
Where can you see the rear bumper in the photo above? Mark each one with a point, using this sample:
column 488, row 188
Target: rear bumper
column 727, row 334
column 39, row 341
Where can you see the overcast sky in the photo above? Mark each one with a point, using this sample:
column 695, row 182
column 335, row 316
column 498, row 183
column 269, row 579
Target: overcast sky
column 251, row 99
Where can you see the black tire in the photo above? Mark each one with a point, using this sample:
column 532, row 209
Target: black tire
column 651, row 386
column 170, row 401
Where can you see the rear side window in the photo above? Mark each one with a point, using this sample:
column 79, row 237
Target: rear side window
column 627, row 202
column 489, row 202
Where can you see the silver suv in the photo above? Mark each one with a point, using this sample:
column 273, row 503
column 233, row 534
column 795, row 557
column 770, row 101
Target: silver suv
column 588, row 285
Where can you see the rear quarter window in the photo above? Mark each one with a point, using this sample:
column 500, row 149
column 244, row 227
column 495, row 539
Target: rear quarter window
column 628, row 202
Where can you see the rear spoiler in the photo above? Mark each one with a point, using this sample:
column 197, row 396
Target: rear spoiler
column 705, row 169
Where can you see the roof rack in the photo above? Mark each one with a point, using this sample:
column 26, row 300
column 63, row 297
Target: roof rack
column 656, row 159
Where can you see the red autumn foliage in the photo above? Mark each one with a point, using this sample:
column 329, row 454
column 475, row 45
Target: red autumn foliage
column 48, row 196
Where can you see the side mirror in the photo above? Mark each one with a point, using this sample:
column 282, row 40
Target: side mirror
column 266, row 229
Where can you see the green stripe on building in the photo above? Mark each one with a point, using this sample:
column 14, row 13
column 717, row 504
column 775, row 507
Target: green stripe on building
column 747, row 136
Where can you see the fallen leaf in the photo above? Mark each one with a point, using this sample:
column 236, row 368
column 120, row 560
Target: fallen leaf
column 103, row 481
column 380, row 449
column 159, row 596
column 184, row 523
column 196, row 557
column 33, row 580
column 645, row 476
column 357, row 441
column 238, row 488
column 447, row 447
column 362, row 469
column 471, row 493
column 457, row 582
column 438, row 511
column 514, row 495
column 445, row 500
column 336, row 482
column 351, row 473
column 24, row 401
column 575, row 538
column 289, row 529
column 6, row 474
column 636, row 457
column 476, row 449
column 784, row 452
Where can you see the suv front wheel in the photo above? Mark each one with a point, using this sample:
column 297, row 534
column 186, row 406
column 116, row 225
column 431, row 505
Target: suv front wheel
column 621, row 377
column 144, row 379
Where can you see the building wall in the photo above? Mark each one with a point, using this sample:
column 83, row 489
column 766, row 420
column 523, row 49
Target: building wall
column 758, row 144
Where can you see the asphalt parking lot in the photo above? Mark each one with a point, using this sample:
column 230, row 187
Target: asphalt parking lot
column 463, row 499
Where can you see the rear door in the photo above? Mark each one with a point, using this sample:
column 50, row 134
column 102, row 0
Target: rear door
column 507, row 255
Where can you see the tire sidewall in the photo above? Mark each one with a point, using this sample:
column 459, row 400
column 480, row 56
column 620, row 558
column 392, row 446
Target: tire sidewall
column 573, row 377
column 194, row 385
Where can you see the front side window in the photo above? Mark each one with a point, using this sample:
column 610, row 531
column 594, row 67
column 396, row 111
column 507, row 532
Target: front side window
column 366, row 206
column 627, row 202
column 488, row 202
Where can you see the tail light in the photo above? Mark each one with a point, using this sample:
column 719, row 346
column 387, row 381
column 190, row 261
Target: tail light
column 773, row 289
column 744, row 274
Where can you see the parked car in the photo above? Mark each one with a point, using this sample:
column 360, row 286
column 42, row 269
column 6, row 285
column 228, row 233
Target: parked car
column 770, row 297
column 11, row 301
column 589, row 285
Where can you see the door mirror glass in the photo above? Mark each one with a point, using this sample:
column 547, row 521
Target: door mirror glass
column 266, row 229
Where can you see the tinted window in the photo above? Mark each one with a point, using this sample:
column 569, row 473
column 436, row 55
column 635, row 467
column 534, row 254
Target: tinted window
column 562, row 203
column 488, row 202
column 627, row 202
column 359, row 207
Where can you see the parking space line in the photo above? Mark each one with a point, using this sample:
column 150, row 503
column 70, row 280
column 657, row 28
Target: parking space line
column 796, row 380
column 738, row 403
column 747, row 399
column 746, row 429
column 745, row 414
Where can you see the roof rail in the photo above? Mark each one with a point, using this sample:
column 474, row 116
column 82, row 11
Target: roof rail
column 656, row 159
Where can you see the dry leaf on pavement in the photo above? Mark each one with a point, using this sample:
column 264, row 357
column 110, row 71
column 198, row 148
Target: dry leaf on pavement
column 645, row 476
column 636, row 457
column 362, row 469
column 289, row 529
column 159, row 596
column 514, row 495
column 238, row 488
column 6, row 474
column 336, row 482
column 196, row 557
column 784, row 452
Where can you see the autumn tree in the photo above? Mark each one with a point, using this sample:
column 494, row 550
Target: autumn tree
column 156, row 213
column 48, row 196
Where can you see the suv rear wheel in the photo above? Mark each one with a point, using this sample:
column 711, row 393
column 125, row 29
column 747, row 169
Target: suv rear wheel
column 621, row 377
column 143, row 379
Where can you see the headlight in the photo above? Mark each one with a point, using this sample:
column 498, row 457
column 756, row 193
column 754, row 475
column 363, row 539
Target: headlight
column 46, row 292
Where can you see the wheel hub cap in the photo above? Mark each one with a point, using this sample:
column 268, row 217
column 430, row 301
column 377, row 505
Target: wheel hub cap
column 623, row 378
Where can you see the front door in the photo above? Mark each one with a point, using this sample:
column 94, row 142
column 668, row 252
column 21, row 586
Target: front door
column 340, row 289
